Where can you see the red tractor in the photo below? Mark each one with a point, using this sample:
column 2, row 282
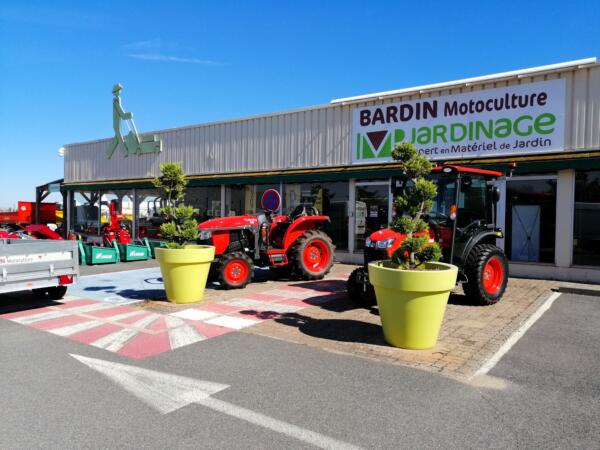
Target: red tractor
column 116, row 229
column 463, row 222
column 294, row 245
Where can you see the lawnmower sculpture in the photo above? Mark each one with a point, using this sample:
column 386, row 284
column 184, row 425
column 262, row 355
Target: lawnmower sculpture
column 292, row 245
column 463, row 222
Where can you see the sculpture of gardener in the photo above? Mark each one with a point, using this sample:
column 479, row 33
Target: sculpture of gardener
column 131, row 143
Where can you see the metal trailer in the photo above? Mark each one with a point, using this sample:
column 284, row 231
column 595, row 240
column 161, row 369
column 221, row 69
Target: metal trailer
column 45, row 267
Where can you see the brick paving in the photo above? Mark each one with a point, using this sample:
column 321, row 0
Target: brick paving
column 470, row 334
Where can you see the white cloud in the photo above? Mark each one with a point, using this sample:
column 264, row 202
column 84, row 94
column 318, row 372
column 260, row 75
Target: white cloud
column 170, row 58
column 156, row 44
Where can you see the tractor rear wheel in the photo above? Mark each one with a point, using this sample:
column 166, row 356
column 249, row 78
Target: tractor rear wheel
column 361, row 294
column 486, row 269
column 235, row 270
column 312, row 255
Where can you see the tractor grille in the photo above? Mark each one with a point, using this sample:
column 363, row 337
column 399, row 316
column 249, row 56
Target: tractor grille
column 375, row 254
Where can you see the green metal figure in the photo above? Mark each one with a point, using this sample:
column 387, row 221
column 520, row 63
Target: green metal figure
column 131, row 143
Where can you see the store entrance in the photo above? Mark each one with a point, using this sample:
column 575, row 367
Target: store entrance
column 531, row 218
column 372, row 205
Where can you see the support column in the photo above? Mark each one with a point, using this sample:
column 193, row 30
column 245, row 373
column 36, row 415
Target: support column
column 67, row 214
column 501, row 211
column 134, row 216
column 223, row 200
column 565, row 210
column 351, row 214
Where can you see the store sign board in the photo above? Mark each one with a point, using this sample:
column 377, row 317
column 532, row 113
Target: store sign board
column 520, row 119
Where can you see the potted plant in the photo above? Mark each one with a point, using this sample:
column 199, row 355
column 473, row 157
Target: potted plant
column 184, row 267
column 412, row 288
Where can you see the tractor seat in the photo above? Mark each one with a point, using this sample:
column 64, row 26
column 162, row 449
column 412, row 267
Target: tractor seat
column 303, row 210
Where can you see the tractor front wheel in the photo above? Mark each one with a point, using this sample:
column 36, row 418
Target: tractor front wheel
column 235, row 270
column 486, row 269
column 361, row 293
column 312, row 255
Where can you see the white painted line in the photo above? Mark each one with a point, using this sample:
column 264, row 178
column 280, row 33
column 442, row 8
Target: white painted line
column 125, row 315
column 293, row 294
column 72, row 329
column 182, row 336
column 194, row 314
column 237, row 323
column 514, row 338
column 173, row 322
column 264, row 306
column 114, row 342
column 88, row 308
column 166, row 393
column 39, row 317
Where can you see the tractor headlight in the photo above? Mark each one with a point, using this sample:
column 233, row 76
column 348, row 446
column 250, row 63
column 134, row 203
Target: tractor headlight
column 205, row 235
column 385, row 243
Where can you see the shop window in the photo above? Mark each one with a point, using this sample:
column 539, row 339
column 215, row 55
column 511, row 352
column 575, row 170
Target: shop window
column 531, row 219
column 586, row 231
column 371, row 210
column 330, row 199
column 206, row 199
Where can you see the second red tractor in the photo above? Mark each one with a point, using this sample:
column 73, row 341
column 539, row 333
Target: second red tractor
column 293, row 245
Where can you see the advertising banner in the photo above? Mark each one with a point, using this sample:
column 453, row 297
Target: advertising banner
column 520, row 119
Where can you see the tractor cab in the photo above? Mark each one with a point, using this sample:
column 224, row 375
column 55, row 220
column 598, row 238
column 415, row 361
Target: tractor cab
column 462, row 221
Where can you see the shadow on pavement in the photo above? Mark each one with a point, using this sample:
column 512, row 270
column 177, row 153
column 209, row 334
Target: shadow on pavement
column 343, row 330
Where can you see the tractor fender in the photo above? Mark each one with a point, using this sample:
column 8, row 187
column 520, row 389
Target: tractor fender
column 299, row 226
column 472, row 242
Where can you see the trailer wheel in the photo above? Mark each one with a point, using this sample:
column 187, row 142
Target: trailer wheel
column 52, row 293
column 360, row 293
column 235, row 270
column 486, row 269
column 312, row 255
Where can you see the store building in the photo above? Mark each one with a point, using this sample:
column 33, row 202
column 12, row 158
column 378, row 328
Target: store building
column 337, row 157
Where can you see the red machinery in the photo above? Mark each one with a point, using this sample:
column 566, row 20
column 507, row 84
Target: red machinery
column 25, row 213
column 115, row 230
column 292, row 245
column 463, row 222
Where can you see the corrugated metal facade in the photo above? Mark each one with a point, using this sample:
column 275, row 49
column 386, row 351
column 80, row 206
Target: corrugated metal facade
column 308, row 138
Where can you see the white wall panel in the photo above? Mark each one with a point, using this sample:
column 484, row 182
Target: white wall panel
column 313, row 137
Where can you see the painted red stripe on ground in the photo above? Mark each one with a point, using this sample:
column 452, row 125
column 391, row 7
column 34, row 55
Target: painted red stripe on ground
column 59, row 322
column 294, row 302
column 144, row 345
column 89, row 336
column 210, row 331
column 134, row 318
column 26, row 312
column 158, row 325
column 112, row 311
column 219, row 308
column 263, row 297
column 76, row 303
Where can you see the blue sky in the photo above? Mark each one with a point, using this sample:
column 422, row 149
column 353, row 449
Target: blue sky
column 190, row 62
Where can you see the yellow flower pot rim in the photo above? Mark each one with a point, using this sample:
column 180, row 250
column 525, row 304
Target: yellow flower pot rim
column 441, row 265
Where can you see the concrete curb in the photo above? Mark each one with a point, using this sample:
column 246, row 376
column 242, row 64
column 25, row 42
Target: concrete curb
column 592, row 290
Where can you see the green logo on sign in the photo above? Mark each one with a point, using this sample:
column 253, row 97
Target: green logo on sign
column 378, row 144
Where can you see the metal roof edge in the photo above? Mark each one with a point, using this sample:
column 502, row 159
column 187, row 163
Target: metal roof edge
column 520, row 73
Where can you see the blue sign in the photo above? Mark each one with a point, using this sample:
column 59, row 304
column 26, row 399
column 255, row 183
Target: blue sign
column 271, row 200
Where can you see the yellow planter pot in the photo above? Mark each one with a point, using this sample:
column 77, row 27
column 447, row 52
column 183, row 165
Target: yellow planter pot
column 185, row 271
column 412, row 303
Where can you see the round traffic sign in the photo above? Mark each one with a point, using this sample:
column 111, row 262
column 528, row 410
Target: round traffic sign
column 271, row 200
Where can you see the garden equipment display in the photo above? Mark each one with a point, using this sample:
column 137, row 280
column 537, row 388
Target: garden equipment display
column 463, row 222
column 95, row 254
column 115, row 230
column 292, row 245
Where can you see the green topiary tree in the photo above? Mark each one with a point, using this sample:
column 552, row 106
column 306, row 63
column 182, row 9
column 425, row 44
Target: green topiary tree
column 181, row 227
column 415, row 201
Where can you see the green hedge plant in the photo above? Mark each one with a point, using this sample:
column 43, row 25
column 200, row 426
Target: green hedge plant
column 412, row 205
column 180, row 226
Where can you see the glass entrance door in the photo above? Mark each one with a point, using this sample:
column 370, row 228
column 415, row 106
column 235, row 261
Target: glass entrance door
column 372, row 206
column 531, row 218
